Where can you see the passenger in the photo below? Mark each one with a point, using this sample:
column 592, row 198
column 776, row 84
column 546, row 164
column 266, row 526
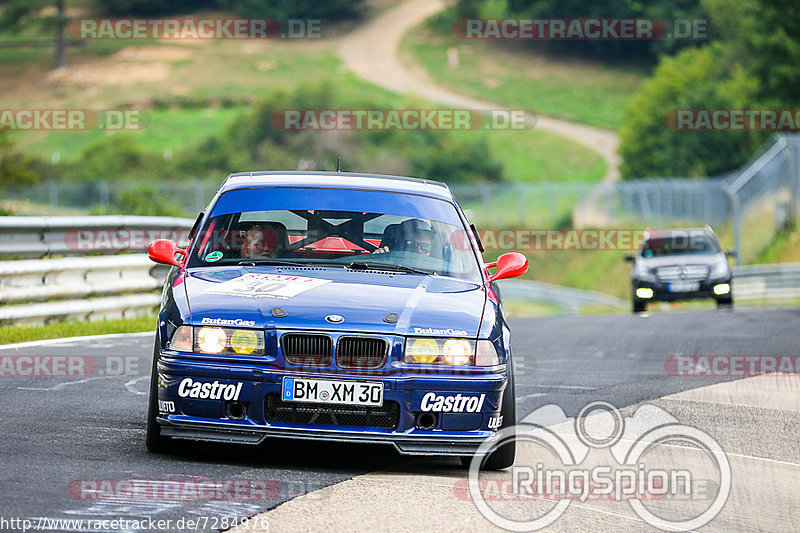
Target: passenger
column 260, row 242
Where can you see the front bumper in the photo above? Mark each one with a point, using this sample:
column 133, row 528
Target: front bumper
column 662, row 292
column 206, row 419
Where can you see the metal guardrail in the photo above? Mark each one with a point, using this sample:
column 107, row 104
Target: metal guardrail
column 83, row 288
column 37, row 280
column 567, row 299
column 750, row 282
column 766, row 282
column 36, row 237
column 102, row 286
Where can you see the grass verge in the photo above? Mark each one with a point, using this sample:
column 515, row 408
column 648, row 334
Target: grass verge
column 571, row 89
column 9, row 335
column 192, row 91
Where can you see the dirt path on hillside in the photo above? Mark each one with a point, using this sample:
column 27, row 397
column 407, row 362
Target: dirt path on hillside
column 371, row 51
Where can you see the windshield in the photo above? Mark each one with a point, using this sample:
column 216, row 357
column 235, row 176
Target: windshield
column 688, row 243
column 386, row 239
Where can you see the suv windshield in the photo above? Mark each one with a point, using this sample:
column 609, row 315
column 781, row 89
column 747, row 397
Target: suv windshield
column 397, row 237
column 682, row 243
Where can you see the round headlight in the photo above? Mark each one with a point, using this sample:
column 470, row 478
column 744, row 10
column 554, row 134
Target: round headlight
column 211, row 340
column 423, row 350
column 244, row 341
column 457, row 352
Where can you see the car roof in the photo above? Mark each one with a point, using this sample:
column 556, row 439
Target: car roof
column 337, row 180
column 650, row 232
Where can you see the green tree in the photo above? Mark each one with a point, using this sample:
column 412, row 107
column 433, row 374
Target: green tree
column 17, row 14
column 704, row 78
column 765, row 35
column 646, row 51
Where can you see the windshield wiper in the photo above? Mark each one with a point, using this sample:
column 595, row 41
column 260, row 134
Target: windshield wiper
column 374, row 265
column 277, row 262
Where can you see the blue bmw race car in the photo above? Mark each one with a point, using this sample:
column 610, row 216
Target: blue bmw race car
column 333, row 306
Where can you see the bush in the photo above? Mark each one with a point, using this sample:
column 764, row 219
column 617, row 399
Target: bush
column 16, row 168
column 253, row 142
column 703, row 78
column 642, row 51
column 142, row 200
column 275, row 9
column 116, row 157
column 152, row 7
column 297, row 9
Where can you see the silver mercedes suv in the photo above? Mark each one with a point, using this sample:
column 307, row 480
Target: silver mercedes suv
column 680, row 264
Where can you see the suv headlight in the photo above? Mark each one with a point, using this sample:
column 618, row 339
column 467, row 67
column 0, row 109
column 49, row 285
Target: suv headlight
column 454, row 352
column 214, row 340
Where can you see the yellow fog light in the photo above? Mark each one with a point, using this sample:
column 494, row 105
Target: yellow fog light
column 211, row 340
column 644, row 292
column 422, row 351
column 457, row 352
column 244, row 341
column 722, row 288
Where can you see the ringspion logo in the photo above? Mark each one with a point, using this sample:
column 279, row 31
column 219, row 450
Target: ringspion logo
column 642, row 460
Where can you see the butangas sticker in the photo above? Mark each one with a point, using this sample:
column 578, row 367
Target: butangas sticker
column 266, row 286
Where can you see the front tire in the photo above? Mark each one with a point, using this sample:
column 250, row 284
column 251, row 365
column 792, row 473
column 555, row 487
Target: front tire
column 639, row 306
column 503, row 456
column 156, row 443
column 725, row 303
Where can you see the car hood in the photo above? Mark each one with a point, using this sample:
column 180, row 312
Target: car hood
column 305, row 296
column 682, row 259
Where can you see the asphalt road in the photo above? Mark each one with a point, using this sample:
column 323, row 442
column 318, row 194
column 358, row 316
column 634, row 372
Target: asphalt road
column 65, row 438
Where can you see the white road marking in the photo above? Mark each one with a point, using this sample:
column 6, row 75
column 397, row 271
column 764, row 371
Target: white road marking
column 534, row 395
column 131, row 385
column 576, row 387
column 68, row 340
column 63, row 385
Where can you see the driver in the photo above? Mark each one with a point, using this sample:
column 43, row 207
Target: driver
column 260, row 242
column 416, row 235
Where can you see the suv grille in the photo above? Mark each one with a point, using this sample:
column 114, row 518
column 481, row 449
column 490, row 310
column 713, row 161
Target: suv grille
column 683, row 273
column 304, row 349
column 386, row 416
column 361, row 352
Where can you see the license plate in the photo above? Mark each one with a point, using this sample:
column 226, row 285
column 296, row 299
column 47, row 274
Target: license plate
column 330, row 391
column 684, row 286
